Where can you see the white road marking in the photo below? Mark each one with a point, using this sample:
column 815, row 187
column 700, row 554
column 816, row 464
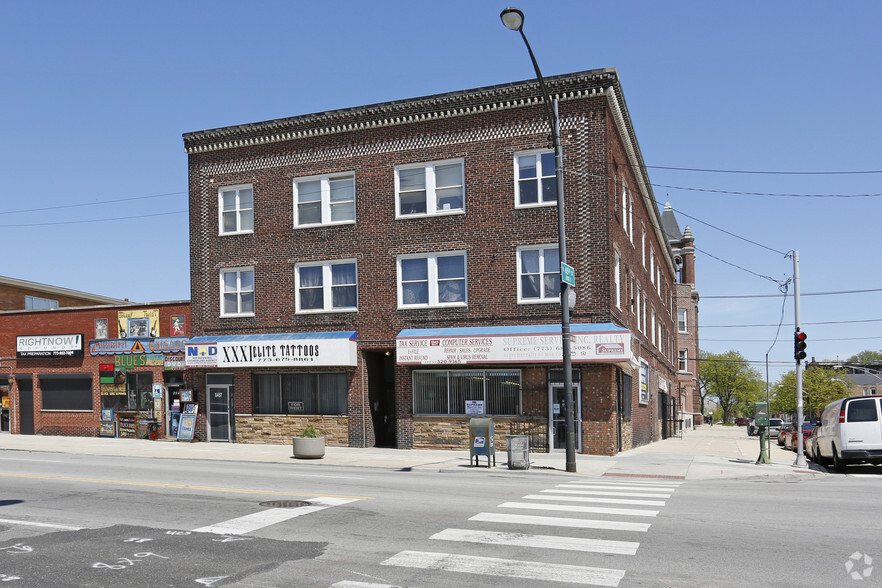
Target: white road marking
column 272, row 516
column 591, row 499
column 507, row 568
column 495, row 517
column 538, row 541
column 350, row 584
column 578, row 490
column 637, row 512
column 34, row 460
column 617, row 487
column 47, row 525
column 323, row 476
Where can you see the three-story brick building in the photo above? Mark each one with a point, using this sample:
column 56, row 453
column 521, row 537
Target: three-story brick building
column 388, row 271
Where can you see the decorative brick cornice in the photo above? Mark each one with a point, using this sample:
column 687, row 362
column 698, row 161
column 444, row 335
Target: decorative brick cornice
column 403, row 112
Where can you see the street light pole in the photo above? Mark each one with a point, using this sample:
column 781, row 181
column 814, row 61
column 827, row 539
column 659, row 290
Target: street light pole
column 513, row 19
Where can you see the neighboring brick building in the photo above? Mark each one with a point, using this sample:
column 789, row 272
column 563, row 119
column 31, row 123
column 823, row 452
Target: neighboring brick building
column 683, row 247
column 386, row 272
column 67, row 365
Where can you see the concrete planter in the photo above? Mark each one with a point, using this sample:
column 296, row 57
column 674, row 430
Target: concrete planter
column 309, row 447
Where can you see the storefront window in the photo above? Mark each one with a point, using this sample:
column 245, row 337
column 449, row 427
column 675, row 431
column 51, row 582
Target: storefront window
column 139, row 390
column 66, row 392
column 309, row 393
column 450, row 392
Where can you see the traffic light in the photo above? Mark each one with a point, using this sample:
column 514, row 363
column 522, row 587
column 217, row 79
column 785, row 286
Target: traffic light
column 799, row 345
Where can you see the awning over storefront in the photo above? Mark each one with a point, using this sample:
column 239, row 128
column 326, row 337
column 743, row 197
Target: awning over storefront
column 337, row 348
column 592, row 342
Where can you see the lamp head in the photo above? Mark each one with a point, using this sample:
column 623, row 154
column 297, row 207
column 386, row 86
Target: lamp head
column 512, row 18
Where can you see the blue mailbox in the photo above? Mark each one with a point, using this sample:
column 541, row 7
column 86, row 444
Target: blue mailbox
column 482, row 437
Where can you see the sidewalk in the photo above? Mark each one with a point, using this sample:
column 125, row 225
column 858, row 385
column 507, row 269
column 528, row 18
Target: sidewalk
column 706, row 453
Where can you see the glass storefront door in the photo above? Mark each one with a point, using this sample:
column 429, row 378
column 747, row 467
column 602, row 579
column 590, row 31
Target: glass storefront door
column 558, row 412
column 219, row 413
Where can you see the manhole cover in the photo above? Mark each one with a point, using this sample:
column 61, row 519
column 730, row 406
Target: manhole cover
column 285, row 503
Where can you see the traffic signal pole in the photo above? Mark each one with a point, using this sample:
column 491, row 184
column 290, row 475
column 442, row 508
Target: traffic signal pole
column 800, row 447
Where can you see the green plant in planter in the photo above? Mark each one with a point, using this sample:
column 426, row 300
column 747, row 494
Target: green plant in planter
column 309, row 432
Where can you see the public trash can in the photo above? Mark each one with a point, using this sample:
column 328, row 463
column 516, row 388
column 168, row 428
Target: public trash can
column 153, row 431
column 481, row 440
column 518, row 447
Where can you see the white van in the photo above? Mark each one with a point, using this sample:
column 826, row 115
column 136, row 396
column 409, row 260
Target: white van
column 850, row 432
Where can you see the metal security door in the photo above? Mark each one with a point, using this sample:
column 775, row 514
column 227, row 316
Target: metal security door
column 219, row 413
column 557, row 422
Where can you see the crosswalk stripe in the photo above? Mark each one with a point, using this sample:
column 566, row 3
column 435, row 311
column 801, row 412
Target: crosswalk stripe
column 538, row 541
column 637, row 512
column 272, row 516
column 351, row 584
column 592, row 499
column 507, row 568
column 578, row 490
column 495, row 517
column 618, row 487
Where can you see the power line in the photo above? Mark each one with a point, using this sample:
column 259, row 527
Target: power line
column 96, row 220
column 776, row 173
column 774, row 194
column 801, row 294
column 775, row 325
column 82, row 204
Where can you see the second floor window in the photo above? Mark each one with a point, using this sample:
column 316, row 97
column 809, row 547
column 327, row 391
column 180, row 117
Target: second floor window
column 436, row 279
column 37, row 303
column 683, row 361
column 429, row 188
column 237, row 292
column 328, row 286
column 236, row 204
column 681, row 320
column 536, row 180
column 324, row 200
column 538, row 274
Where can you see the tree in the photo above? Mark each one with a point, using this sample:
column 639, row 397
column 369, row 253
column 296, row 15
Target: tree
column 865, row 357
column 821, row 385
column 729, row 379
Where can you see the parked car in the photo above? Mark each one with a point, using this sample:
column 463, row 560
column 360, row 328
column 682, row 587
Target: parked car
column 784, row 432
column 742, row 421
column 811, row 444
column 790, row 442
column 850, row 432
column 774, row 426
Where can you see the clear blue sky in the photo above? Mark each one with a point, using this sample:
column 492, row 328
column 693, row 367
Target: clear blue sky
column 96, row 96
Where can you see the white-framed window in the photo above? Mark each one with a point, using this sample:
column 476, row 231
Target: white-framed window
column 683, row 361
column 324, row 200
column 236, row 209
column 328, row 286
column 681, row 320
column 237, row 291
column 652, row 323
column 617, row 279
column 538, row 273
column 37, row 303
column 430, row 188
column 432, row 279
column 652, row 265
column 625, row 210
column 633, row 293
column 643, row 247
column 630, row 216
column 535, row 178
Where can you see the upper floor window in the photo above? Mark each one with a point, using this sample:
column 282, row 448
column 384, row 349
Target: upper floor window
column 236, row 204
column 37, row 303
column 327, row 286
column 430, row 188
column 237, row 292
column 324, row 200
column 617, row 279
column 681, row 320
column 536, row 178
column 683, row 361
column 538, row 274
column 432, row 279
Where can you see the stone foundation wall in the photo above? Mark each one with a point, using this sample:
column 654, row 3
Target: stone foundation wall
column 453, row 432
column 280, row 429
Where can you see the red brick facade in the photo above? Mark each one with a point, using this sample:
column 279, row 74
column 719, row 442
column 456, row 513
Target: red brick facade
column 27, row 375
column 610, row 213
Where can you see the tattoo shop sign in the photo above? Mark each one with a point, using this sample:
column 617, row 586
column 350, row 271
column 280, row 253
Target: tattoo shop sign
column 49, row 346
column 283, row 352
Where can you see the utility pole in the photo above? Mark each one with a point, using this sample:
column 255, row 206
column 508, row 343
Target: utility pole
column 800, row 449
